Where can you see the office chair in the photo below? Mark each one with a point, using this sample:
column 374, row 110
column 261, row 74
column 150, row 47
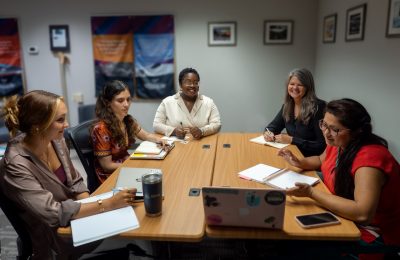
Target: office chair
column 86, row 112
column 79, row 137
column 24, row 243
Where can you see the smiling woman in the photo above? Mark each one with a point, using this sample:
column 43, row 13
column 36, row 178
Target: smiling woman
column 187, row 114
column 300, row 115
column 38, row 177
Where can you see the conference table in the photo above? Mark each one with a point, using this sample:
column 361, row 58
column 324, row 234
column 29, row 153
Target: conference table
column 236, row 153
column 208, row 162
column 186, row 166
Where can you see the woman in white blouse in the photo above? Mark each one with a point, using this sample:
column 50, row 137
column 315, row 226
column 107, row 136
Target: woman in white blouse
column 187, row 112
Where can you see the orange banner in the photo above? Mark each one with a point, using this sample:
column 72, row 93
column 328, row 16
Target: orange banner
column 113, row 48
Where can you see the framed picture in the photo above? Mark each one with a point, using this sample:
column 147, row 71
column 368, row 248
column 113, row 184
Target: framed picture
column 278, row 32
column 355, row 23
column 393, row 21
column 221, row 33
column 329, row 29
column 59, row 38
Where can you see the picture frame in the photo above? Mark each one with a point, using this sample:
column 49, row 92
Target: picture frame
column 59, row 38
column 329, row 28
column 222, row 34
column 393, row 20
column 278, row 32
column 355, row 23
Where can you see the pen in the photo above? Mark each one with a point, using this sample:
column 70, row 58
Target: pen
column 270, row 134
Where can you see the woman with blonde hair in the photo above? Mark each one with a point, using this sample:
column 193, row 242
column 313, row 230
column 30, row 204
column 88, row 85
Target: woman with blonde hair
column 37, row 175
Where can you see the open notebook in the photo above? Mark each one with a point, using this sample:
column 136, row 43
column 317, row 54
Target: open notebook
column 244, row 207
column 102, row 225
column 275, row 177
column 150, row 151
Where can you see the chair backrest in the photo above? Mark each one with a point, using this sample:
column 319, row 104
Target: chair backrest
column 86, row 112
column 79, row 137
column 25, row 242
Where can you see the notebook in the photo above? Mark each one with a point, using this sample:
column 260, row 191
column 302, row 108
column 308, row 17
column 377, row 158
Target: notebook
column 261, row 140
column 147, row 147
column 275, row 177
column 137, row 155
column 87, row 229
column 244, row 207
column 132, row 178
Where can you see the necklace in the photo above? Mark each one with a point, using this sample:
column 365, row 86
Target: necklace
column 46, row 160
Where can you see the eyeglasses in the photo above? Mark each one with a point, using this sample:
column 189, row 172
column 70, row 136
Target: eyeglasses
column 191, row 83
column 333, row 131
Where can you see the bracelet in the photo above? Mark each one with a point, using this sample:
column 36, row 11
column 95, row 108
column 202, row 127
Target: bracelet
column 100, row 203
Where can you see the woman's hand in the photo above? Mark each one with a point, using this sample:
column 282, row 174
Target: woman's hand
column 123, row 198
column 283, row 138
column 164, row 144
column 269, row 136
column 289, row 157
column 301, row 190
column 179, row 132
column 196, row 132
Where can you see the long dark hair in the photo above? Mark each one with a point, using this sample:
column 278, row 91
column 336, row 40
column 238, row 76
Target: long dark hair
column 352, row 115
column 105, row 113
column 308, row 102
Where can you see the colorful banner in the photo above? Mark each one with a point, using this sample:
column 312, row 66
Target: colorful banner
column 10, row 58
column 143, row 46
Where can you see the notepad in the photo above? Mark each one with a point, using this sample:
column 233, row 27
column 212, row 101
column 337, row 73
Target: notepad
column 148, row 156
column 102, row 225
column 278, row 178
column 147, row 147
column 261, row 140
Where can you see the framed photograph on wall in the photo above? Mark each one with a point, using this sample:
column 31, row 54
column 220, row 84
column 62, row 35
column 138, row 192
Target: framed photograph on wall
column 355, row 23
column 222, row 34
column 59, row 38
column 278, row 32
column 329, row 29
column 393, row 21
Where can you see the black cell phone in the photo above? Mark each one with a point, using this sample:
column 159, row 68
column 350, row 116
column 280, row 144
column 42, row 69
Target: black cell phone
column 317, row 220
column 227, row 145
column 206, row 146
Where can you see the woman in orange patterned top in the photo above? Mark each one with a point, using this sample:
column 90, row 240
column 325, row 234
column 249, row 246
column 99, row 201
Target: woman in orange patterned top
column 116, row 130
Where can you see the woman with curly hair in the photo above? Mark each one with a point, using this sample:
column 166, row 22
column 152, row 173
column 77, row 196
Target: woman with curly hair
column 116, row 130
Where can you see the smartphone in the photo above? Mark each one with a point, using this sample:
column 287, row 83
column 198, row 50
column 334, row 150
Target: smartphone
column 317, row 220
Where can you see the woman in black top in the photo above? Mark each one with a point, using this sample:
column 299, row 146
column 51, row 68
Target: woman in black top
column 299, row 115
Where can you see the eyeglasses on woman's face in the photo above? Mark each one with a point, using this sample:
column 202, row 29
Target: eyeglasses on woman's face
column 187, row 82
column 334, row 131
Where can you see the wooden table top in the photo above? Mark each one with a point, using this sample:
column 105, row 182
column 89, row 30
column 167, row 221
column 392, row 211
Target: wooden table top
column 186, row 166
column 244, row 154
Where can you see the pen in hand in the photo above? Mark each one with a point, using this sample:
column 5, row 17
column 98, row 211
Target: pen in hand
column 270, row 134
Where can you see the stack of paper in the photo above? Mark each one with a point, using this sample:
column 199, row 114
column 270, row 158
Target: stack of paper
column 279, row 178
column 261, row 140
column 99, row 226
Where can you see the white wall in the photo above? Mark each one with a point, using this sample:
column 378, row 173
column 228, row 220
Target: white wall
column 367, row 70
column 245, row 81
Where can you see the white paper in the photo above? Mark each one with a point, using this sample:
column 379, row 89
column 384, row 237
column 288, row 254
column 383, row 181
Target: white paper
column 261, row 140
column 99, row 226
column 287, row 180
column 258, row 172
column 147, row 147
column 102, row 196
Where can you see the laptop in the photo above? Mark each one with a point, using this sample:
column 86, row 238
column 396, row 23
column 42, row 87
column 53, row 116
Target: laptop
column 132, row 178
column 244, row 207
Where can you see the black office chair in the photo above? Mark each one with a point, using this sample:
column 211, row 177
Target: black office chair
column 79, row 137
column 86, row 112
column 24, row 243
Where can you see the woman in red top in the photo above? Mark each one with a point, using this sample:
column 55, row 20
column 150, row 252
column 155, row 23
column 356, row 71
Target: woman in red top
column 116, row 130
column 359, row 171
